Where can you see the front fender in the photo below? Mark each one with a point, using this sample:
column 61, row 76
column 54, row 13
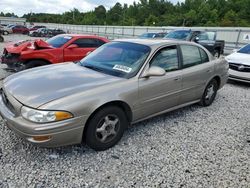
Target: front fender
column 51, row 55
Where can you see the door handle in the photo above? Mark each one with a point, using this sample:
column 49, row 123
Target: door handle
column 177, row 79
column 208, row 71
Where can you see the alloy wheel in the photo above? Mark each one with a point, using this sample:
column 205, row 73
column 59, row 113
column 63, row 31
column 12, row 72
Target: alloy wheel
column 107, row 128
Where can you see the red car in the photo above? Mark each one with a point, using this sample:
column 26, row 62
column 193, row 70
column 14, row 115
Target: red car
column 61, row 48
column 20, row 29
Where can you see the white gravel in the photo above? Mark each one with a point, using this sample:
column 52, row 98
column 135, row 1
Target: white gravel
column 191, row 147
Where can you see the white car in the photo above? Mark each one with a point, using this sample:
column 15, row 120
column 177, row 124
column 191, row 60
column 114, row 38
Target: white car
column 7, row 30
column 239, row 64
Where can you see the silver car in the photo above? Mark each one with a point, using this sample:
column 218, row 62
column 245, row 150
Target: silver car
column 122, row 82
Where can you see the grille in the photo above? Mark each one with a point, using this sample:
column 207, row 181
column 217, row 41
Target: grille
column 239, row 67
column 7, row 102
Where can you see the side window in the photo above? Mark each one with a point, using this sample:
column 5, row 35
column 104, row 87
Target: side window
column 204, row 56
column 191, row 55
column 166, row 58
column 100, row 42
column 203, row 36
column 86, row 43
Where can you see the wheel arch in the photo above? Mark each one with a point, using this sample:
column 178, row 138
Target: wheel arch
column 218, row 79
column 37, row 59
column 121, row 104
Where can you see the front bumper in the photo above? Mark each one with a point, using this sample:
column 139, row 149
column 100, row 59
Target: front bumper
column 239, row 76
column 13, row 61
column 60, row 133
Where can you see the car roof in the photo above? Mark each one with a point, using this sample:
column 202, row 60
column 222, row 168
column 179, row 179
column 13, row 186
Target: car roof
column 155, row 42
column 81, row 35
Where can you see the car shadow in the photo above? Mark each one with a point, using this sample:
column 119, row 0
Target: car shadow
column 238, row 83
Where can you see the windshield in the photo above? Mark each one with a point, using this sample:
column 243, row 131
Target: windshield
column 122, row 59
column 245, row 49
column 147, row 35
column 182, row 35
column 58, row 41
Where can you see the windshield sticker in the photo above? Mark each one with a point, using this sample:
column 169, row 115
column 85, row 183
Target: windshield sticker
column 122, row 68
column 67, row 37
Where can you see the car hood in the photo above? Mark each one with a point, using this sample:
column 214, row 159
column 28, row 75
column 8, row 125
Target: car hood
column 41, row 85
column 239, row 58
column 20, row 46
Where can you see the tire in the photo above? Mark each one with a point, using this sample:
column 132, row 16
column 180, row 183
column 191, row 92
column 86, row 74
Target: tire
column 34, row 63
column 1, row 39
column 209, row 93
column 216, row 53
column 5, row 32
column 105, row 128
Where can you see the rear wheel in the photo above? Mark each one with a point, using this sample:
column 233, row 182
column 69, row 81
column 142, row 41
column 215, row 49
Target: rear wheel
column 105, row 128
column 1, row 39
column 209, row 93
column 34, row 63
column 5, row 32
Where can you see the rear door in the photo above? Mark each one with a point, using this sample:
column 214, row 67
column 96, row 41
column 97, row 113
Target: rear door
column 158, row 93
column 196, row 71
column 85, row 45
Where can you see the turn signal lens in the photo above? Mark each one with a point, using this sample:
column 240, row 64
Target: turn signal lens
column 62, row 115
column 41, row 138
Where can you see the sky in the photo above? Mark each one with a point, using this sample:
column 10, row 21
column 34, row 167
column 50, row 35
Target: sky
column 20, row 7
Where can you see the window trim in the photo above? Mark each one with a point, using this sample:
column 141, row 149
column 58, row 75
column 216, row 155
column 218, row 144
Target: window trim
column 94, row 39
column 182, row 64
column 206, row 55
column 162, row 48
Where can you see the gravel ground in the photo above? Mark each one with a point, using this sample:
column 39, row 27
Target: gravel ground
column 190, row 147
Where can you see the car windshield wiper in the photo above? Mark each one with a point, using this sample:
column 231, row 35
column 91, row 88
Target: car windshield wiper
column 94, row 68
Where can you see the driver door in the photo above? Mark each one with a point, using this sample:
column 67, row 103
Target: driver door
column 85, row 45
column 159, row 93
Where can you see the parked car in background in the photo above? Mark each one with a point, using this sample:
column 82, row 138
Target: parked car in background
column 6, row 30
column 239, row 64
column 204, row 38
column 122, row 82
column 39, row 32
column 152, row 35
column 54, row 32
column 33, row 28
column 58, row 49
column 45, row 32
column 20, row 29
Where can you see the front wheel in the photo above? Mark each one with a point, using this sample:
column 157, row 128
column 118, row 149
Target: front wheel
column 209, row 93
column 34, row 63
column 105, row 128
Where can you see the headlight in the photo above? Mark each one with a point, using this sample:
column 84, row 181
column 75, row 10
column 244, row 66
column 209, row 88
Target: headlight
column 44, row 116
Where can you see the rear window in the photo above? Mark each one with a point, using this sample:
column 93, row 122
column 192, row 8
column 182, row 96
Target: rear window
column 182, row 35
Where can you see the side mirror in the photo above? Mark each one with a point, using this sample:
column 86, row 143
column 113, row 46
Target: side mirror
column 154, row 71
column 196, row 39
column 72, row 46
